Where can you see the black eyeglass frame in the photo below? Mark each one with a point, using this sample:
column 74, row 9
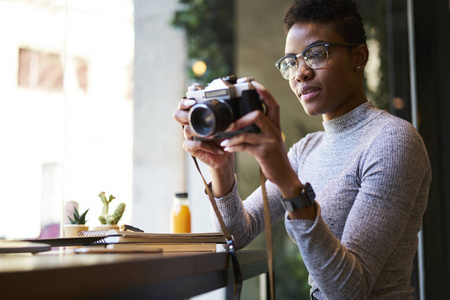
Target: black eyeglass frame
column 296, row 56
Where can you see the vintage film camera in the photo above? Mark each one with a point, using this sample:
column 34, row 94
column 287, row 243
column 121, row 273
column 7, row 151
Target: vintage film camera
column 221, row 103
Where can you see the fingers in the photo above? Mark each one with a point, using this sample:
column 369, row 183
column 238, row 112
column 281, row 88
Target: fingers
column 186, row 103
column 255, row 117
column 188, row 133
column 193, row 147
column 182, row 113
column 237, row 143
column 251, row 143
column 273, row 108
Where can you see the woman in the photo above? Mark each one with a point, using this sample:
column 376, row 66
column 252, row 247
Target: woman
column 369, row 170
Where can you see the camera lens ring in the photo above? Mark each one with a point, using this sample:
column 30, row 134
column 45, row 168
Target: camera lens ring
column 210, row 117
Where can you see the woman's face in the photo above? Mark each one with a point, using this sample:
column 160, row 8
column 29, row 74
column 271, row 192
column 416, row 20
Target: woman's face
column 336, row 88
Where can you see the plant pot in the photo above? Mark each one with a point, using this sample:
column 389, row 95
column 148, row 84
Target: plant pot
column 71, row 230
column 106, row 227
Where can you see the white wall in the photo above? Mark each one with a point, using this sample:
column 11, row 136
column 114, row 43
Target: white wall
column 161, row 167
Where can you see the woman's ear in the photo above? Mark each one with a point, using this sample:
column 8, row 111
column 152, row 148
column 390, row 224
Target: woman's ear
column 360, row 57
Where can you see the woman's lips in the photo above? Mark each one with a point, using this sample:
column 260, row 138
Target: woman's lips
column 308, row 93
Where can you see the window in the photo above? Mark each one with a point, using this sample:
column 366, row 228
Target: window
column 40, row 70
column 65, row 111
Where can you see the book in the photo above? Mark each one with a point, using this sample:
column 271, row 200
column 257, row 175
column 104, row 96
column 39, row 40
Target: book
column 166, row 247
column 118, row 237
column 96, row 250
column 70, row 241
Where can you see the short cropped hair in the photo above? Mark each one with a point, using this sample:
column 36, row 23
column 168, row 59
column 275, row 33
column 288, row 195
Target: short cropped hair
column 343, row 14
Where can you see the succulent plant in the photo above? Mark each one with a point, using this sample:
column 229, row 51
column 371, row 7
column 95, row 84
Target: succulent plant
column 77, row 218
column 105, row 217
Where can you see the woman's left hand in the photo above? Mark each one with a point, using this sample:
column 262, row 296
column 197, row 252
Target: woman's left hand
column 267, row 146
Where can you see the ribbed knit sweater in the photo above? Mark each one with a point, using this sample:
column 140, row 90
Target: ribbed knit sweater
column 371, row 174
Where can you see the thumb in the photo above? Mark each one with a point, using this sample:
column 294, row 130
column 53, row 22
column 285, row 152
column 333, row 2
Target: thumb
column 273, row 108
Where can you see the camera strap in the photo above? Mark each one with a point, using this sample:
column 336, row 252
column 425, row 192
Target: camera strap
column 230, row 241
column 268, row 227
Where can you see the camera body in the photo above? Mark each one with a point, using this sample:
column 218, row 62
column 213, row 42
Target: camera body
column 221, row 103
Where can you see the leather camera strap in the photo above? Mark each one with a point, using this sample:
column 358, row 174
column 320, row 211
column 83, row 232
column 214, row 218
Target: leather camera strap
column 230, row 242
column 269, row 239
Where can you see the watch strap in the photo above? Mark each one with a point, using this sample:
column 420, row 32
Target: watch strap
column 305, row 199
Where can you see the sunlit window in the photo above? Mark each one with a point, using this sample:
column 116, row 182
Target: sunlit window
column 65, row 111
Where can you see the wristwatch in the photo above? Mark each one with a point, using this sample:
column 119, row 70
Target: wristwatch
column 305, row 199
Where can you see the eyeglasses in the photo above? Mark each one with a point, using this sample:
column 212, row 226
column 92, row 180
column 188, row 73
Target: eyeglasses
column 314, row 56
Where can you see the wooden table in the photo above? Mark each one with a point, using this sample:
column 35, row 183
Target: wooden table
column 64, row 275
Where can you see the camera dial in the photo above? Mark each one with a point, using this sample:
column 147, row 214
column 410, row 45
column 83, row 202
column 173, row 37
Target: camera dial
column 196, row 87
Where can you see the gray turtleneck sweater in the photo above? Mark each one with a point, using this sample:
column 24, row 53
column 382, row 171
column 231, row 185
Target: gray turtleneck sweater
column 371, row 174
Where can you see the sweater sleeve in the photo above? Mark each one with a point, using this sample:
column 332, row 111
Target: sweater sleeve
column 245, row 219
column 394, row 175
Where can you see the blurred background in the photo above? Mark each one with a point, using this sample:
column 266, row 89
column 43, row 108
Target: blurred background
column 88, row 89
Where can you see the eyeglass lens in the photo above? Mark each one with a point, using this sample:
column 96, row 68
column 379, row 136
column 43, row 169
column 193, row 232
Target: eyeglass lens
column 315, row 57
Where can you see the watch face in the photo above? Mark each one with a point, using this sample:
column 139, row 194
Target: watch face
column 310, row 193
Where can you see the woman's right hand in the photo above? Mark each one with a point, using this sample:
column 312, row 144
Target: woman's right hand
column 209, row 152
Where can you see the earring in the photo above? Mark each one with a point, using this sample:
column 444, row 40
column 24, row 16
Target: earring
column 357, row 69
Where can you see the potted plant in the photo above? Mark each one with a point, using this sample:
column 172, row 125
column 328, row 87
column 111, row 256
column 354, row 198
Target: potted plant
column 77, row 224
column 110, row 221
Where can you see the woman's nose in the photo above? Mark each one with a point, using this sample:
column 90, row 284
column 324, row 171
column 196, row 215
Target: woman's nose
column 304, row 72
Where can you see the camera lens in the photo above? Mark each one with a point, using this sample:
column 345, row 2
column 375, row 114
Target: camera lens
column 210, row 117
column 203, row 120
